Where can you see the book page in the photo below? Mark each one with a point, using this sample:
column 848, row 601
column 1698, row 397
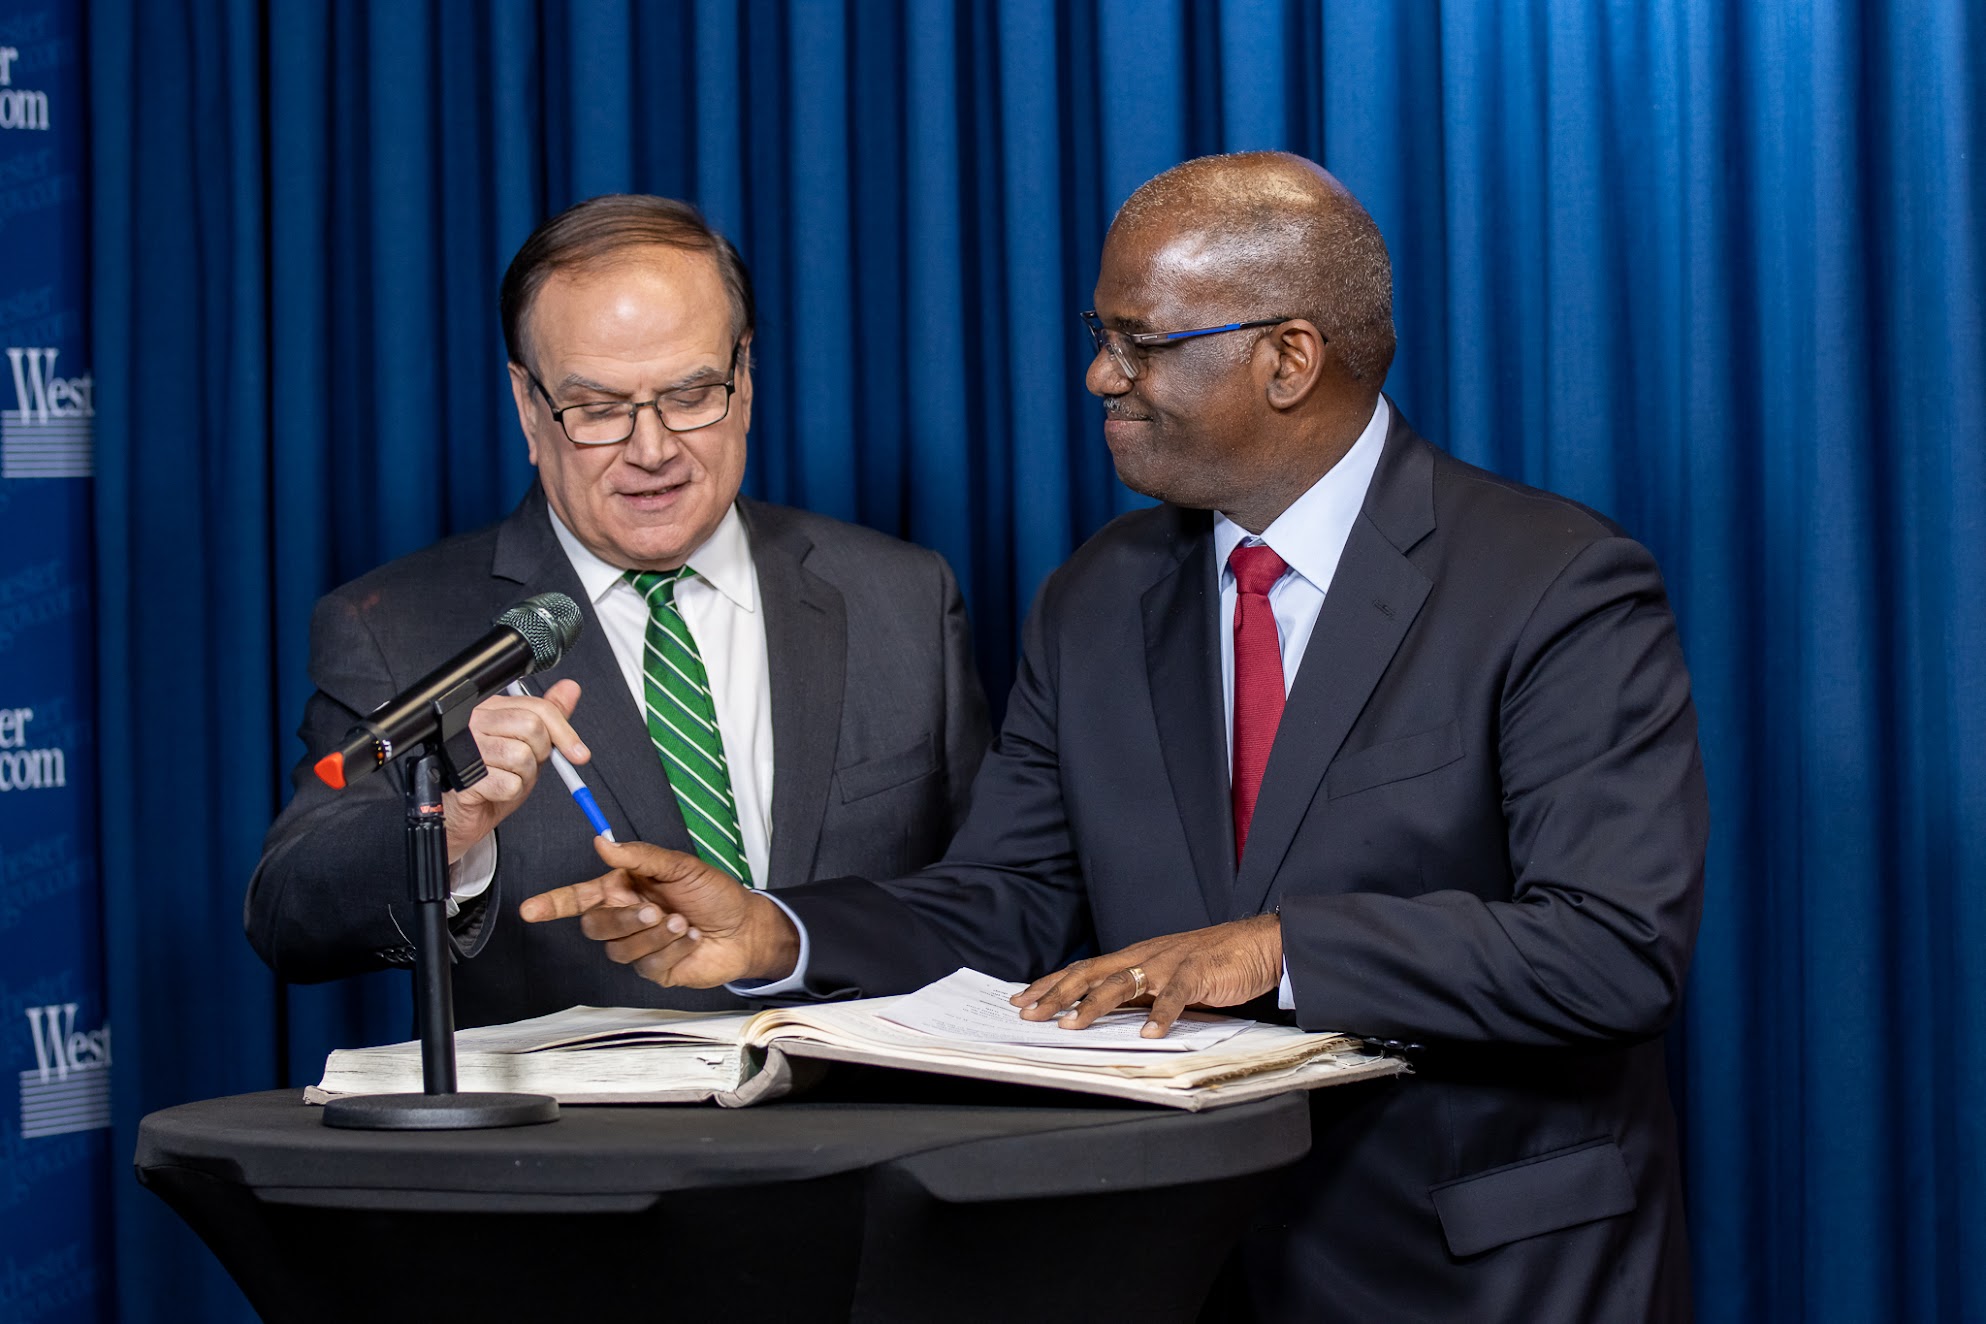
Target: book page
column 590, row 1025
column 972, row 1008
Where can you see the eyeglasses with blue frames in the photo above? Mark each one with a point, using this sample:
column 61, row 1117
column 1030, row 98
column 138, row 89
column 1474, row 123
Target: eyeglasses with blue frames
column 1127, row 349
column 610, row 422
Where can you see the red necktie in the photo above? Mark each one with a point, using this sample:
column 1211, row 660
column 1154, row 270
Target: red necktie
column 1258, row 677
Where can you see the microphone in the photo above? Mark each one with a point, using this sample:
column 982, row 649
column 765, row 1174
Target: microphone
column 527, row 639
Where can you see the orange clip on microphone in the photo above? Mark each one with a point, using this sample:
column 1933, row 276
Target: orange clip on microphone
column 331, row 770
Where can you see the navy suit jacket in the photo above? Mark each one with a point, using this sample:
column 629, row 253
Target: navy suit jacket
column 1483, row 823
column 878, row 725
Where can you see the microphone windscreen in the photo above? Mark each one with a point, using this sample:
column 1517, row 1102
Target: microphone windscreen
column 549, row 622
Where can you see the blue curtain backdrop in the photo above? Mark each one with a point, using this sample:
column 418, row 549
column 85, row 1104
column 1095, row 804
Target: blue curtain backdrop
column 1714, row 268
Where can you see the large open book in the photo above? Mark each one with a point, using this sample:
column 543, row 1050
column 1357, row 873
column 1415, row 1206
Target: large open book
column 960, row 1026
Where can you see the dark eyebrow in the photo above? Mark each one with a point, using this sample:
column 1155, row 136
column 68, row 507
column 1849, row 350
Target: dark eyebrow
column 1135, row 325
column 699, row 377
column 587, row 383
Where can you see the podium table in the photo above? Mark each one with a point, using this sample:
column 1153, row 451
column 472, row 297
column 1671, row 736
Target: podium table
column 890, row 1197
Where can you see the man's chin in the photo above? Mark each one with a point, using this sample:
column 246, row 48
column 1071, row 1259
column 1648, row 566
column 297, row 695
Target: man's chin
column 1140, row 475
column 661, row 544
column 1147, row 484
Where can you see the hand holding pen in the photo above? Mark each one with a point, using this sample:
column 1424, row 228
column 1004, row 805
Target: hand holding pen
column 568, row 774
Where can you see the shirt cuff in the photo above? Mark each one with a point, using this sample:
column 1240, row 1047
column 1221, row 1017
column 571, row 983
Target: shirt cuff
column 1285, row 995
column 471, row 876
column 793, row 983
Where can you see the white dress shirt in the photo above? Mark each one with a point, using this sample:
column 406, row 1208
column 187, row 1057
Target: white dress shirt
column 1310, row 536
column 721, row 606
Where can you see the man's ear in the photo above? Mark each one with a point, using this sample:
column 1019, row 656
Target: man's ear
column 525, row 396
column 1298, row 366
column 743, row 394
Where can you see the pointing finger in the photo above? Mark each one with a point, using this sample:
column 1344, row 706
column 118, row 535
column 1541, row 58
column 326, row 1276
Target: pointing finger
column 562, row 902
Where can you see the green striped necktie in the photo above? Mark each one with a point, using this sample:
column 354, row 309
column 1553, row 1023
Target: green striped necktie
column 682, row 721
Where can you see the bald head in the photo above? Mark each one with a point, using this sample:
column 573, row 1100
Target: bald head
column 1282, row 230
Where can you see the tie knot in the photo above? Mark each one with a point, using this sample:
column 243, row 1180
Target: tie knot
column 1256, row 567
column 658, row 586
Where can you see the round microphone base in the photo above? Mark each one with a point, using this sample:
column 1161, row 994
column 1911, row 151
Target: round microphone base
column 439, row 1112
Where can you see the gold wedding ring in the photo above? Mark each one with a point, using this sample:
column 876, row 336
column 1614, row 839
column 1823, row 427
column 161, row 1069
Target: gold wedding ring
column 1137, row 973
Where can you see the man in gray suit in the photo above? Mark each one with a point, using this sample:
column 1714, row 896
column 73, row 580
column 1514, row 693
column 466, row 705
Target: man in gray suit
column 785, row 695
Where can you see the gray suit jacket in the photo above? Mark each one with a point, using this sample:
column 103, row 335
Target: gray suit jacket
column 878, row 723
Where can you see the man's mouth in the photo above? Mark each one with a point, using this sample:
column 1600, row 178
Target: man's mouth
column 658, row 492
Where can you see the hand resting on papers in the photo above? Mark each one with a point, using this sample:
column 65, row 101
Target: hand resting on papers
column 1221, row 966
column 681, row 922
column 678, row 921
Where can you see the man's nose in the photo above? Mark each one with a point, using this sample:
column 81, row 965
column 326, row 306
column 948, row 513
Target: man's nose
column 651, row 445
column 1104, row 377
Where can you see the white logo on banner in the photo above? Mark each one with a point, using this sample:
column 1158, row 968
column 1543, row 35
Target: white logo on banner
column 47, row 432
column 27, row 769
column 20, row 108
column 68, row 1088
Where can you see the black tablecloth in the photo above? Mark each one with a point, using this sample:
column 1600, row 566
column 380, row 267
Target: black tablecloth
column 891, row 1198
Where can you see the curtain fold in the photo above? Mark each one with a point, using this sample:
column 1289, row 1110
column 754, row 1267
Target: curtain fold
column 1715, row 270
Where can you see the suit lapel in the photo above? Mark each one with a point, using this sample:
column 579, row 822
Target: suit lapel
column 625, row 774
column 806, row 643
column 1373, row 601
column 1182, row 657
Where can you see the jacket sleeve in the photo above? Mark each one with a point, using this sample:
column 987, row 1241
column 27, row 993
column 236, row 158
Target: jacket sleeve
column 966, row 721
column 329, row 895
column 1007, row 897
column 1606, row 817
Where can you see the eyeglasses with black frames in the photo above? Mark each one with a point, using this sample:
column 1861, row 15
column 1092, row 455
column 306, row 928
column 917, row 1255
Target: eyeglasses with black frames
column 610, row 422
column 1127, row 349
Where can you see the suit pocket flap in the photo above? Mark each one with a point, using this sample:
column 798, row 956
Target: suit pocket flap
column 879, row 774
column 1544, row 1194
column 1394, row 761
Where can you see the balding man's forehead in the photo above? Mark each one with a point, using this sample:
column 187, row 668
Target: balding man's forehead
column 1149, row 280
column 1192, row 248
column 1189, row 251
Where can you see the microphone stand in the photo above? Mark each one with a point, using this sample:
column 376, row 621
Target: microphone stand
column 451, row 762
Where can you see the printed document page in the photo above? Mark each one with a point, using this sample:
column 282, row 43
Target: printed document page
column 973, row 1007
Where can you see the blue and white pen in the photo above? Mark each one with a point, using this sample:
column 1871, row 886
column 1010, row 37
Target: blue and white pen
column 570, row 776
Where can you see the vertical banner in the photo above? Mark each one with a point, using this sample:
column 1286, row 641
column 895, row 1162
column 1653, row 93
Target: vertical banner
column 55, row 1047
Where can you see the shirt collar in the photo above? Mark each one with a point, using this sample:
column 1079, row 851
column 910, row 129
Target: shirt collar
column 724, row 561
column 1311, row 535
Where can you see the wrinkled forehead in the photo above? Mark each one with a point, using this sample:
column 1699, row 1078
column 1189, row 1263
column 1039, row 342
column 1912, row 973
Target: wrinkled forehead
column 679, row 275
column 655, row 295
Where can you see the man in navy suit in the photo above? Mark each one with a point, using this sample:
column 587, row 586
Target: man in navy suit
column 1345, row 725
